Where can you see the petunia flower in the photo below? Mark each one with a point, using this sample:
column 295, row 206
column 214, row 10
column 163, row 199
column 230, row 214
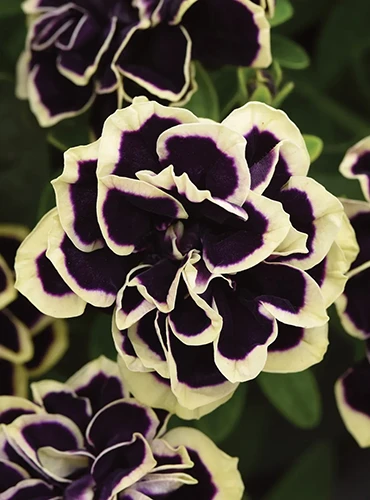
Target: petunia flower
column 88, row 439
column 209, row 239
column 30, row 342
column 98, row 53
column 351, row 389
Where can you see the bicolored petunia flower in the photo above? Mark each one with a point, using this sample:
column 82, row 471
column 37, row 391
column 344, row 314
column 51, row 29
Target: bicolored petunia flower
column 87, row 53
column 218, row 252
column 30, row 342
column 88, row 439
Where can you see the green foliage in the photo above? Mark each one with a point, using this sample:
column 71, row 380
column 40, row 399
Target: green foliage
column 9, row 8
column 204, row 102
column 314, row 145
column 310, row 475
column 288, row 53
column 283, row 12
column 295, row 395
column 70, row 133
column 220, row 423
column 100, row 337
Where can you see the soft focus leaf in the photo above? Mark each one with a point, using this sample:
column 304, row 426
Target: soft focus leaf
column 220, row 423
column 283, row 94
column 295, row 395
column 283, row 12
column 10, row 8
column 225, row 81
column 70, row 133
column 47, row 200
column 261, row 94
column 23, row 159
column 344, row 35
column 101, row 340
column 288, row 53
column 310, row 475
column 204, row 102
column 314, row 145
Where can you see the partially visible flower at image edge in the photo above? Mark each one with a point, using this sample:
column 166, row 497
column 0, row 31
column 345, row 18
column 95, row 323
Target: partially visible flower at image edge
column 220, row 255
column 99, row 53
column 88, row 439
column 30, row 342
column 353, row 387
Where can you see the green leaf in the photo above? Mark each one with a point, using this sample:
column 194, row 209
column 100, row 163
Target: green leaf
column 101, row 340
column 295, row 395
column 24, row 161
column 344, row 36
column 283, row 94
column 314, row 145
column 288, row 53
column 221, row 422
column 226, row 83
column 261, row 94
column 10, row 8
column 283, row 12
column 204, row 102
column 70, row 133
column 311, row 476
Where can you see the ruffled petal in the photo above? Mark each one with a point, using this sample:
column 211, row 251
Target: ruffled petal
column 356, row 165
column 353, row 400
column 37, row 278
column 76, row 195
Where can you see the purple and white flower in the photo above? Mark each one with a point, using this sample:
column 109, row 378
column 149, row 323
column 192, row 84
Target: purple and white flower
column 88, row 439
column 30, row 342
column 98, row 53
column 218, row 252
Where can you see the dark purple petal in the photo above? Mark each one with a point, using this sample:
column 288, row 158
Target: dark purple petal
column 360, row 223
column 28, row 314
column 81, row 488
column 10, row 475
column 288, row 337
column 158, row 59
column 118, row 422
column 220, row 39
column 13, row 379
column 34, row 489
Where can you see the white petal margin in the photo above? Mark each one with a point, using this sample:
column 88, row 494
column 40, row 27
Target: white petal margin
column 13, row 432
column 242, row 370
column 18, row 489
column 9, row 293
column 351, row 158
column 228, row 142
column 264, row 57
column 151, row 391
column 275, row 121
column 28, row 281
column 310, row 351
column 61, row 185
column 356, row 422
column 131, row 119
column 24, row 351
column 222, row 468
column 133, row 363
column 103, row 365
column 313, row 312
column 328, row 213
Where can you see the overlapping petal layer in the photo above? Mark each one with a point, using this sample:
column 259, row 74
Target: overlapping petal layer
column 88, row 439
column 30, row 343
column 210, row 240
column 85, row 53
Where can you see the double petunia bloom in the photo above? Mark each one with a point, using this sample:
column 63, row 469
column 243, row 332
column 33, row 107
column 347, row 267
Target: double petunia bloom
column 88, row 439
column 218, row 253
column 30, row 342
column 99, row 53
column 352, row 389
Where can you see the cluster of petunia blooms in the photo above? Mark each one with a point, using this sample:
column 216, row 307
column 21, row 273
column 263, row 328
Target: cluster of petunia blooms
column 30, row 342
column 216, row 252
column 99, row 54
column 353, row 388
column 89, row 439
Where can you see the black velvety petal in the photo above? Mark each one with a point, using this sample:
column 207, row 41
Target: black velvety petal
column 288, row 337
column 10, row 475
column 356, row 385
column 118, row 422
column 25, row 311
column 81, row 488
column 67, row 404
column 8, row 378
column 156, row 59
column 33, row 489
column 195, row 365
column 138, row 147
column 222, row 32
column 103, row 106
column 361, row 224
column 357, row 292
column 56, row 95
column 51, row 281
